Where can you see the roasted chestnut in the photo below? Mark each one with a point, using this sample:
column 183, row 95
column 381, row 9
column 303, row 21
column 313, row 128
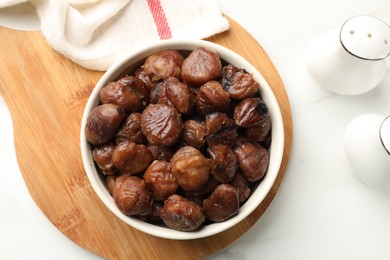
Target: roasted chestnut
column 161, row 124
column 241, row 184
column 238, row 83
column 102, row 155
column 250, row 112
column 131, row 158
column 163, row 153
column 174, row 93
column 201, row 66
column 194, row 133
column 191, row 168
column 161, row 179
column 211, row 98
column 224, row 162
column 220, row 129
column 222, row 204
column 131, row 130
column 132, row 195
column 164, row 64
column 181, row 214
column 103, row 122
column 253, row 160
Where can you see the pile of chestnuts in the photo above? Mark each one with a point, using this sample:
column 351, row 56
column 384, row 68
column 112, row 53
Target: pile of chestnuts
column 182, row 140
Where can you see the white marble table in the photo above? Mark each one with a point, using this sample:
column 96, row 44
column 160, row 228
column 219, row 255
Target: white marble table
column 322, row 211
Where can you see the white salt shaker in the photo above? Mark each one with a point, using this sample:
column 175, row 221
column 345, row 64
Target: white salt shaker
column 367, row 147
column 350, row 61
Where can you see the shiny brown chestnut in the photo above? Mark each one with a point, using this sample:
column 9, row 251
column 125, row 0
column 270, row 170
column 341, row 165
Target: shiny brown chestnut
column 224, row 162
column 163, row 64
column 191, row 168
column 103, row 122
column 161, row 124
column 161, row 179
column 131, row 130
column 220, row 129
column 238, row 83
column 222, row 204
column 250, row 112
column 181, row 214
column 253, row 160
column 131, row 158
column 201, row 66
column 102, row 155
column 132, row 195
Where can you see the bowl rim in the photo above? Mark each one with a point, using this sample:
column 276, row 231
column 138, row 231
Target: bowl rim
column 276, row 149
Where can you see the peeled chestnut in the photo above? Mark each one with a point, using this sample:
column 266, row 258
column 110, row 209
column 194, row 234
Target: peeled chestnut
column 103, row 122
column 174, row 93
column 194, row 133
column 211, row 98
column 140, row 74
column 224, row 162
column 137, row 86
column 163, row 182
column 180, row 214
column 253, row 160
column 161, row 124
column 222, row 204
column 110, row 181
column 132, row 195
column 129, row 93
column 220, row 129
column 241, row 184
column 102, row 155
column 164, row 64
column 259, row 132
column 131, row 130
column 131, row 158
column 238, row 83
column 191, row 168
column 200, row 66
column 162, row 153
column 250, row 112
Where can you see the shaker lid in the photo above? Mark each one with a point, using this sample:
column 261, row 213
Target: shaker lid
column 384, row 134
column 366, row 37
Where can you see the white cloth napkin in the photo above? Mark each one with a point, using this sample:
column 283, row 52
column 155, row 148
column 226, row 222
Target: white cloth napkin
column 96, row 33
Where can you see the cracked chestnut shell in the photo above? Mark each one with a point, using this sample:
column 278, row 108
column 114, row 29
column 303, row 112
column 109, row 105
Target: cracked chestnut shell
column 161, row 124
column 222, row 204
column 103, row 122
column 181, row 214
column 132, row 195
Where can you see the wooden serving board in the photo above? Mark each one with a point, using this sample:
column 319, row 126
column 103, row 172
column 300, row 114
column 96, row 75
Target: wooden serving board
column 46, row 94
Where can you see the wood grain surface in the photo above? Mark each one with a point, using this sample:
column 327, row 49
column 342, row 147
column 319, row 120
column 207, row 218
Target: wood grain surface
column 46, row 94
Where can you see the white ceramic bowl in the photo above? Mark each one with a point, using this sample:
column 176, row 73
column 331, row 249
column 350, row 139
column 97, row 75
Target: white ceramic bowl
column 276, row 149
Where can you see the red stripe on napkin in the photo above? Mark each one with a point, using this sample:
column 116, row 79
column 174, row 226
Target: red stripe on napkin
column 163, row 29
